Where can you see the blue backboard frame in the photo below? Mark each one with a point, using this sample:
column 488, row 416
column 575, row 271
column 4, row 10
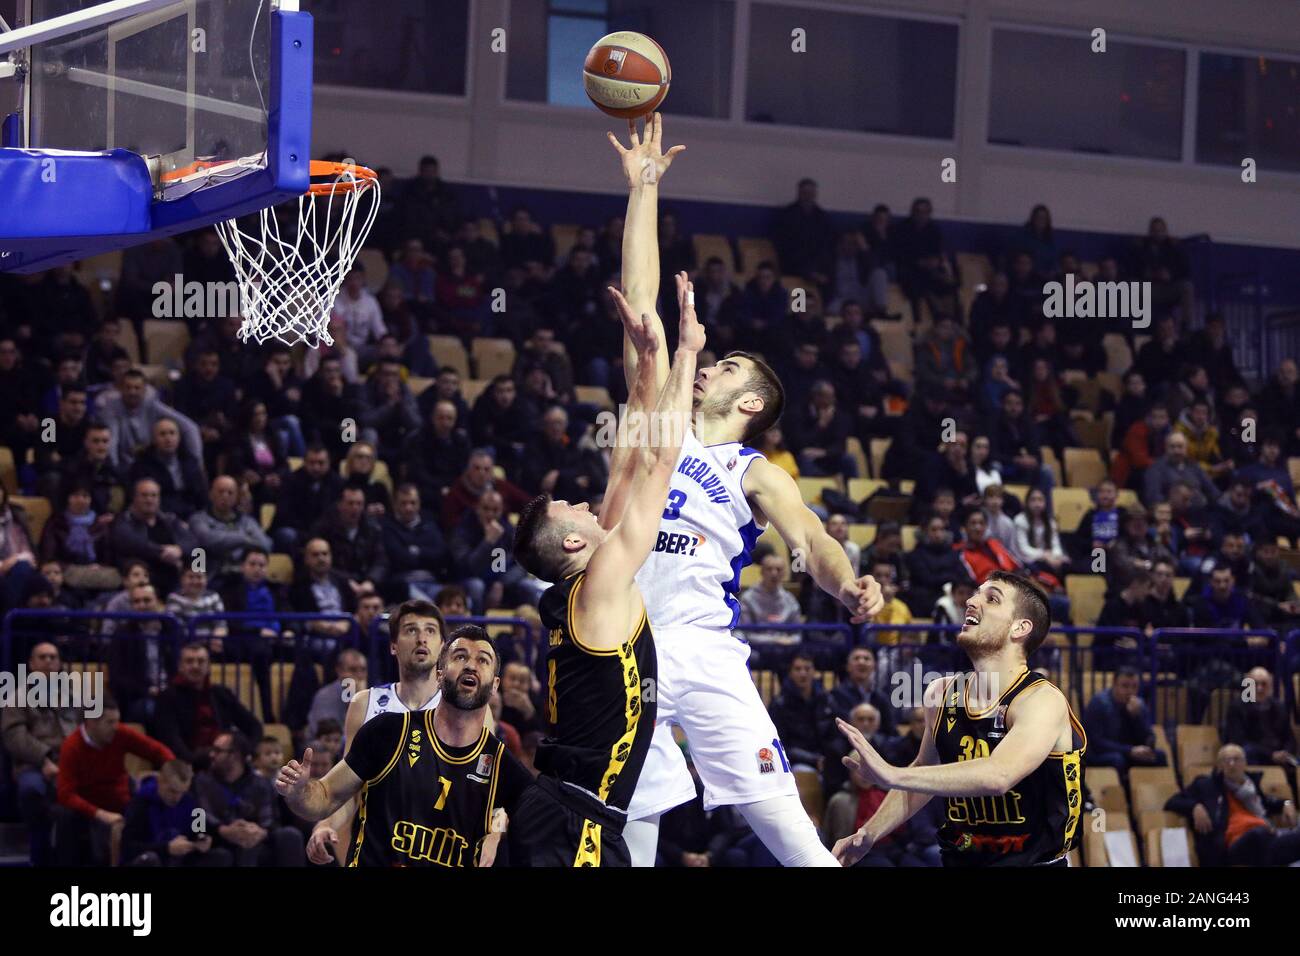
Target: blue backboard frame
column 65, row 232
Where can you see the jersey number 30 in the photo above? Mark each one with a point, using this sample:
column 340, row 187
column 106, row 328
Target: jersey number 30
column 675, row 501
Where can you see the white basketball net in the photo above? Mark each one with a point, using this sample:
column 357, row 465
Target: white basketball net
column 288, row 280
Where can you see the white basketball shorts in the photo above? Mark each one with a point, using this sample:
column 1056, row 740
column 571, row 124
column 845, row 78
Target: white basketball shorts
column 705, row 688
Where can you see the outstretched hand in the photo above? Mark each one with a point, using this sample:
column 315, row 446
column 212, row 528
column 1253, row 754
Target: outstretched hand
column 640, row 329
column 690, row 332
column 294, row 776
column 865, row 764
column 645, row 162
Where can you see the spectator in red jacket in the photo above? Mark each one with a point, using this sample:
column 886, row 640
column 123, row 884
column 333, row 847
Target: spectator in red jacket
column 980, row 555
column 477, row 478
column 93, row 784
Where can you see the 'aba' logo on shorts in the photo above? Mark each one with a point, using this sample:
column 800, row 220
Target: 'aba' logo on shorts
column 765, row 761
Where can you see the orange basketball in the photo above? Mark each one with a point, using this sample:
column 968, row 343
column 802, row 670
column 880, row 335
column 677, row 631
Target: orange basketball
column 626, row 74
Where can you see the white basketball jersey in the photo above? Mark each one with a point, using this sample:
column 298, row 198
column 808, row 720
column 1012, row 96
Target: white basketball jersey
column 705, row 538
column 384, row 700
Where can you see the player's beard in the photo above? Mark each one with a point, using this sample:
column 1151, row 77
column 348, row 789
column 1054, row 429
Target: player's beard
column 980, row 641
column 462, row 698
column 416, row 669
column 717, row 406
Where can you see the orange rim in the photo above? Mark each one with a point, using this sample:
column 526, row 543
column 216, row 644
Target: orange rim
column 360, row 176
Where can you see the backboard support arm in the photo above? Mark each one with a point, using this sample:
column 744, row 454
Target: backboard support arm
column 99, row 15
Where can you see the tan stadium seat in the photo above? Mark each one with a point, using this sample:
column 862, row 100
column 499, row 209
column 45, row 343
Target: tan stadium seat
column 910, row 533
column 1221, row 699
column 708, row 245
column 809, row 784
column 1087, row 595
column 1162, row 740
column 238, row 678
column 811, row 488
column 471, row 389
column 753, row 250
column 1084, row 468
column 853, row 448
column 596, row 395
column 282, row 734
column 418, row 385
column 879, row 448
column 281, row 679
column 166, row 341
column 862, row 488
column 279, row 569
column 768, row 684
column 487, row 226
column 38, row 512
column 862, row 535
column 376, row 267
column 907, row 486
column 1110, row 798
column 1098, row 777
column 1052, row 462
column 1274, row 781
column 1151, row 787
column 449, row 350
column 493, row 357
column 1197, row 744
column 975, row 269
column 1069, row 505
column 896, row 303
column 1119, row 357
column 564, row 235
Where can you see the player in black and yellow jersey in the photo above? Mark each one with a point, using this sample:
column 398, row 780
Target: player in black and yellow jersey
column 1004, row 747
column 602, row 658
column 428, row 782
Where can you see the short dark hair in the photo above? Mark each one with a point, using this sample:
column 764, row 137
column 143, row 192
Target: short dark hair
column 764, row 382
column 1031, row 603
column 470, row 632
column 328, row 725
column 239, row 744
column 255, row 549
column 1127, row 670
column 802, row 656
column 417, row 608
column 535, row 545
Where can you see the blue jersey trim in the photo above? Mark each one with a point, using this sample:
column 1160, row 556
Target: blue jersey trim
column 749, row 535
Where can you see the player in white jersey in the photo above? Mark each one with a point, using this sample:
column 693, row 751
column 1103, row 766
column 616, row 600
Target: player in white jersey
column 415, row 636
column 722, row 496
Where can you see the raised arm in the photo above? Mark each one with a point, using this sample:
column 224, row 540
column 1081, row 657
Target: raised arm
column 316, row 799
column 640, row 330
column 613, row 567
column 1035, row 721
column 644, row 165
column 777, row 497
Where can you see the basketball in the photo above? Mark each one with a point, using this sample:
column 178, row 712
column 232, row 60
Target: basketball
column 626, row 74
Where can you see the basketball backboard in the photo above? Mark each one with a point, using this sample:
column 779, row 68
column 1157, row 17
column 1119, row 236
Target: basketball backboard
column 144, row 118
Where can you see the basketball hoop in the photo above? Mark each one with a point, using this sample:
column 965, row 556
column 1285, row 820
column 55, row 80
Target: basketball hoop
column 288, row 281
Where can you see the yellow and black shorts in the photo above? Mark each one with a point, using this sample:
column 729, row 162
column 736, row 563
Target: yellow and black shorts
column 547, row 830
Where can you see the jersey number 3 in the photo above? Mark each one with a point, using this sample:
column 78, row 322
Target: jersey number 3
column 675, row 501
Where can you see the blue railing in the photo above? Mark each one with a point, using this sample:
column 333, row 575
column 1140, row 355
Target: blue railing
column 1188, row 674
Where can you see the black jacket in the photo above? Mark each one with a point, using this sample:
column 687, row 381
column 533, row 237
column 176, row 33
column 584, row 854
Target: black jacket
column 176, row 713
column 1210, row 792
column 1260, row 728
column 806, row 725
column 303, row 501
column 183, row 500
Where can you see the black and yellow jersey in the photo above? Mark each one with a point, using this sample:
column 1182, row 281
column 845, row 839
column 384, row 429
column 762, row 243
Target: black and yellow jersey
column 600, row 705
column 424, row 803
column 1038, row 820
